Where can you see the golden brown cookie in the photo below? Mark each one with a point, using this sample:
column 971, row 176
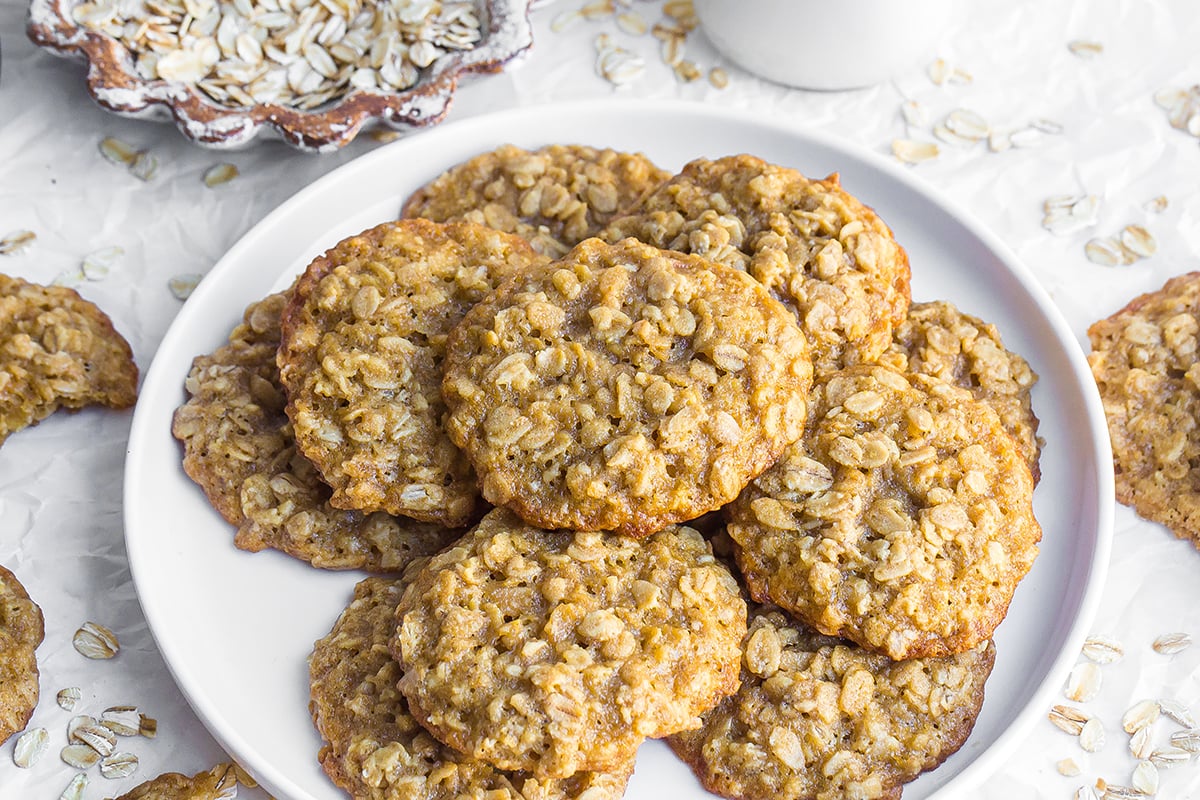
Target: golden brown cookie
column 218, row 783
column 555, row 652
column 555, row 196
column 624, row 388
column 375, row 750
column 239, row 447
column 57, row 350
column 360, row 359
column 21, row 631
column 1144, row 360
column 902, row 520
column 824, row 254
column 939, row 340
column 818, row 717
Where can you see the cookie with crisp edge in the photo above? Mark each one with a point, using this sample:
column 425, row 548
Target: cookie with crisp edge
column 21, row 631
column 819, row 717
column 555, row 196
column 239, row 448
column 218, row 783
column 360, row 360
column 902, row 520
column 824, row 254
column 1144, row 361
column 624, row 388
column 57, row 350
column 939, row 340
column 375, row 750
column 555, row 652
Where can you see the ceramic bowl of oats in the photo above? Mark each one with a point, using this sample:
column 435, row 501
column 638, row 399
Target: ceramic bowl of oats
column 310, row 72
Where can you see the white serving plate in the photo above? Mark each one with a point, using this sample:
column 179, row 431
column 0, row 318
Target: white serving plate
column 267, row 609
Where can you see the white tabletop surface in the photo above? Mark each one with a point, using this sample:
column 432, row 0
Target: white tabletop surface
column 61, row 481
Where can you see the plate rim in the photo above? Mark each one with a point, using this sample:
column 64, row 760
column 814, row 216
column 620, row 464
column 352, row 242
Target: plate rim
column 983, row 764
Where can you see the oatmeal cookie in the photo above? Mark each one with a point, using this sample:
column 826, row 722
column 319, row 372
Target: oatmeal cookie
column 624, row 388
column 555, row 652
column 218, row 783
column 818, row 717
column 21, row 631
column 902, row 520
column 57, row 350
column 360, row 359
column 939, row 340
column 375, row 750
column 825, row 255
column 239, row 447
column 555, row 197
column 1144, row 360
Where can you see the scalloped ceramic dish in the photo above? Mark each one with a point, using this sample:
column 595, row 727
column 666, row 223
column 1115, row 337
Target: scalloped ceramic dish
column 265, row 610
column 114, row 83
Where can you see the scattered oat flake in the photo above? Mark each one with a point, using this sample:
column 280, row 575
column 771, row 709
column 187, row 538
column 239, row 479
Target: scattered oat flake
column 1141, row 744
column 1105, row 252
column 967, row 124
column 939, row 71
column 16, row 242
column 718, row 77
column 96, row 265
column 1140, row 715
column 999, row 141
column 1091, row 737
column 1169, row 643
column 69, row 277
column 1068, row 767
column 1187, row 740
column 1165, row 757
column 119, row 765
column 79, row 756
column 1068, row 719
column 95, row 641
column 74, row 790
column 950, row 137
column 1084, row 682
column 117, row 151
column 960, row 75
column 30, row 746
column 384, row 135
column 1026, row 137
column 78, row 722
column 1086, row 793
column 122, row 720
column 1145, row 778
column 220, row 174
column 632, row 23
column 565, row 21
column 1177, row 712
column 1156, row 205
column 1047, row 126
column 598, row 10
column 97, row 737
column 1115, row 792
column 687, row 71
column 182, row 286
column 1141, row 243
column 144, row 166
column 1085, row 49
column 148, row 727
column 911, row 151
column 915, row 113
column 67, row 698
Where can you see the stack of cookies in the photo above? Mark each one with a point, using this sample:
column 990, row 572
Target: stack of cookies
column 646, row 457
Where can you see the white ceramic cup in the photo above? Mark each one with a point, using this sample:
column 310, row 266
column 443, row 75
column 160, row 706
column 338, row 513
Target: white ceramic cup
column 824, row 44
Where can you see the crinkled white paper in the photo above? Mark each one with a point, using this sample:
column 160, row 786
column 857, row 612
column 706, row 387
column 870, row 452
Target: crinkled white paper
column 61, row 482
